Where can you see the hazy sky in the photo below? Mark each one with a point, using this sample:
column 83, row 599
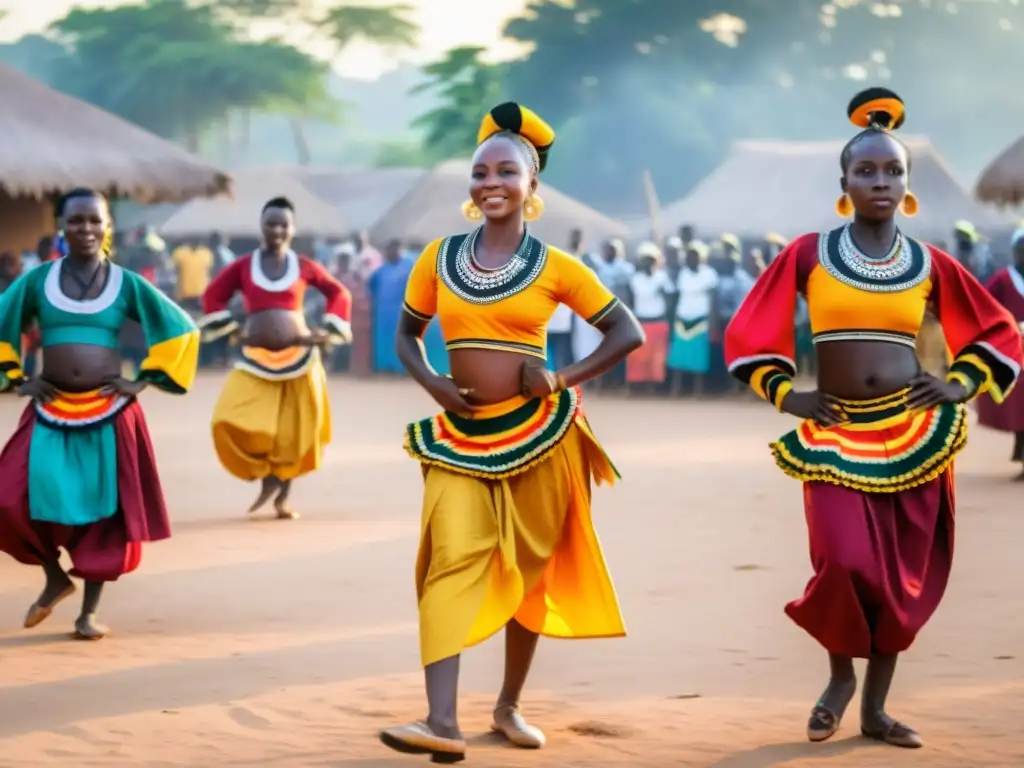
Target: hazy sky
column 443, row 27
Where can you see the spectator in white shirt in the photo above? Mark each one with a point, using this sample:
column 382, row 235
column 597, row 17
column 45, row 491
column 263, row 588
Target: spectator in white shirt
column 561, row 324
column 650, row 289
column 689, row 355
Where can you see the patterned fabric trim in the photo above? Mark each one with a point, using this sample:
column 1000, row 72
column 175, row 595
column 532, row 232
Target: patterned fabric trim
column 80, row 410
column 277, row 365
column 893, row 337
column 457, row 269
column 746, row 368
column 990, row 371
column 339, row 331
column 602, row 313
column 504, row 346
column 496, row 447
column 907, row 265
column 418, row 315
column 690, row 329
column 216, row 325
column 882, row 447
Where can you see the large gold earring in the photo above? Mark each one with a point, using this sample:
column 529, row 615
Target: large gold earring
column 909, row 206
column 533, row 209
column 107, row 244
column 471, row 211
column 844, row 206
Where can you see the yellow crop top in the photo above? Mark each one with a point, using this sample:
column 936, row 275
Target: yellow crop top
column 848, row 299
column 507, row 308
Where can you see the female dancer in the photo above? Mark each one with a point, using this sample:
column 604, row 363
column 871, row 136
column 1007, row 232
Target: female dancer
column 273, row 419
column 876, row 449
column 1007, row 286
column 79, row 471
column 507, row 536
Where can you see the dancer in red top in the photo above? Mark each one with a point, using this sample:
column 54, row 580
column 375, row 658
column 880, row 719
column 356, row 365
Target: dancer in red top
column 875, row 450
column 1007, row 286
column 273, row 419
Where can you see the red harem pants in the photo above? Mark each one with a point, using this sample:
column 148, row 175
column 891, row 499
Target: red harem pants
column 881, row 565
column 101, row 551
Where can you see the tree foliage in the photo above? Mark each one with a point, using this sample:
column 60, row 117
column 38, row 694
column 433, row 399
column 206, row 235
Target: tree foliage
column 178, row 68
column 667, row 85
column 464, row 84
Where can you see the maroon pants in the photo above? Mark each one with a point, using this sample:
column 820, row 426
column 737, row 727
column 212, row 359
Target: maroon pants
column 101, row 551
column 881, row 565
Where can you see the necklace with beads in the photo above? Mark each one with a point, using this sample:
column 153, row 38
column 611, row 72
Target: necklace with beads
column 463, row 275
column 906, row 264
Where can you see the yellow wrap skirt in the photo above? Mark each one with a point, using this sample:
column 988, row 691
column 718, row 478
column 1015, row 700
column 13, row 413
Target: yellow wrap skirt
column 506, row 529
column 273, row 416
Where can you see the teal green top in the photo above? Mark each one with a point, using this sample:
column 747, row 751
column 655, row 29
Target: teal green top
column 171, row 334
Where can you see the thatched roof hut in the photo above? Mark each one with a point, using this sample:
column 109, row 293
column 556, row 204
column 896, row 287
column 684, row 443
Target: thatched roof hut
column 432, row 209
column 361, row 196
column 240, row 216
column 1002, row 181
column 53, row 143
column 791, row 187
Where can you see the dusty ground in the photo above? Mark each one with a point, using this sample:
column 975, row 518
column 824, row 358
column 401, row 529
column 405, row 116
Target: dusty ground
column 257, row 643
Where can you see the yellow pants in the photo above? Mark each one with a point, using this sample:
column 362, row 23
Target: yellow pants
column 279, row 428
column 521, row 547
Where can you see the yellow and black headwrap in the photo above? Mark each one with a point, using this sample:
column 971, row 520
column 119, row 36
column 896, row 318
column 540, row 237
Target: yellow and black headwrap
column 536, row 135
column 877, row 108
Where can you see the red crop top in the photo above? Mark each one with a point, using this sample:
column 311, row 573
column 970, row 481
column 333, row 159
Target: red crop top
column 259, row 293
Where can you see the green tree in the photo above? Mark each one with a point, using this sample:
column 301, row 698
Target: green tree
column 466, row 88
column 178, row 69
column 667, row 85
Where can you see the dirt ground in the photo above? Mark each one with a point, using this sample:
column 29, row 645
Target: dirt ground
column 288, row 644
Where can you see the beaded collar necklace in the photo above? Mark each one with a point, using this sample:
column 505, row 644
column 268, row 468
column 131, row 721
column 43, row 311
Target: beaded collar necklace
column 466, row 278
column 906, row 264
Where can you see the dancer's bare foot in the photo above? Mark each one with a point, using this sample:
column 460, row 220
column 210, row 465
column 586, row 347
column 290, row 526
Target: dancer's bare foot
column 87, row 628
column 58, row 587
column 268, row 488
column 284, row 509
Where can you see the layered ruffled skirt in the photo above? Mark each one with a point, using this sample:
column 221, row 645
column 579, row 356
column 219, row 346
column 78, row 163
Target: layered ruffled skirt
column 79, row 473
column 273, row 417
column 879, row 504
column 506, row 528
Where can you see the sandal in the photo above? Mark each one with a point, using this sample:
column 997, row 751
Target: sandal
column 822, row 724
column 418, row 739
column 897, row 734
column 37, row 613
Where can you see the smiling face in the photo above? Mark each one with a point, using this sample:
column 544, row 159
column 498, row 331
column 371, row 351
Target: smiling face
column 278, row 226
column 876, row 176
column 502, row 178
column 85, row 222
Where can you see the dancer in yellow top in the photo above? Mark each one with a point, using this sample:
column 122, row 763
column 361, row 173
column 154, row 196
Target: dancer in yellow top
column 507, row 539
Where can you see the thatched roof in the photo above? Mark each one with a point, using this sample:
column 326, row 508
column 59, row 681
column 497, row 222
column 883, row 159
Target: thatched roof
column 1002, row 181
column 791, row 188
column 433, row 208
column 240, row 216
column 362, row 196
column 53, row 143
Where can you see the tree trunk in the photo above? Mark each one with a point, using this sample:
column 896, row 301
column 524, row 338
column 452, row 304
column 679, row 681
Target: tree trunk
column 302, row 152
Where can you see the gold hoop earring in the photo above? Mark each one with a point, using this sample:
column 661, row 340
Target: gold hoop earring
column 533, row 208
column 471, row 212
column 844, row 206
column 909, row 205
